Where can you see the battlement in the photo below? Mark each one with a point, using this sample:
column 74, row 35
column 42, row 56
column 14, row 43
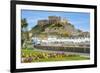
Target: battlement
column 51, row 20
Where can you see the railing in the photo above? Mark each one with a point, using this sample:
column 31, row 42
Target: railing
column 79, row 49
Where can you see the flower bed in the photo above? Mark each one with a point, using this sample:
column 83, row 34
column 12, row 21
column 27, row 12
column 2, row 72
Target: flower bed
column 40, row 56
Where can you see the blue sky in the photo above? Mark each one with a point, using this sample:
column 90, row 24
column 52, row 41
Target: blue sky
column 79, row 20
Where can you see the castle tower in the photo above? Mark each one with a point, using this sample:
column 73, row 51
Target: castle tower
column 54, row 19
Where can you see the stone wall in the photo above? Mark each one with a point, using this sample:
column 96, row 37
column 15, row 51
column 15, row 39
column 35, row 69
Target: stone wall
column 50, row 20
column 65, row 49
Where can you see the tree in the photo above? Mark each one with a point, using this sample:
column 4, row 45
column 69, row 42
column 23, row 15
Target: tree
column 24, row 31
column 24, row 24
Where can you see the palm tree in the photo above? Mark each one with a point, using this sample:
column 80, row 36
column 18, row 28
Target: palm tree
column 24, row 31
column 24, row 24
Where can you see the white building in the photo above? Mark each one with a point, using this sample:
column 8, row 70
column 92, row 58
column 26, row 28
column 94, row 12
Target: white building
column 53, row 41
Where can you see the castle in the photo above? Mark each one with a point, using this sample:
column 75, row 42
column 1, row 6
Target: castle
column 57, row 26
column 52, row 20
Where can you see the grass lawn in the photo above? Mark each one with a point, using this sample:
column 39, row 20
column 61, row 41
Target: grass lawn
column 28, row 55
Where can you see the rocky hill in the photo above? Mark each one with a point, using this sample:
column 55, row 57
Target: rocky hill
column 55, row 26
